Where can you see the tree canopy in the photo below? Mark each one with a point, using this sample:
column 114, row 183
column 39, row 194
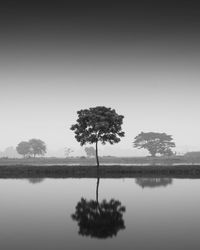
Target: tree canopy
column 23, row 148
column 37, row 146
column 155, row 143
column 98, row 124
column 32, row 147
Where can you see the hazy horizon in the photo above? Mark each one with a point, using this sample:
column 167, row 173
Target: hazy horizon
column 141, row 59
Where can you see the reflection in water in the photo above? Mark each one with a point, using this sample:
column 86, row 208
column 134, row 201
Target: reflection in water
column 99, row 220
column 153, row 182
column 35, row 180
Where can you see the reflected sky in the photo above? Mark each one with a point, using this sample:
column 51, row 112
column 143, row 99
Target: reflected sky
column 39, row 216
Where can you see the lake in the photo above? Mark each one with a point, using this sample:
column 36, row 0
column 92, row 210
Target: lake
column 142, row 213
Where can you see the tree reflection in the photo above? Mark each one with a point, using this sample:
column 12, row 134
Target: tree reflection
column 35, row 180
column 99, row 219
column 153, row 182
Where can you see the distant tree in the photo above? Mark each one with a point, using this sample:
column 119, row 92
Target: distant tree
column 90, row 151
column 155, row 143
column 23, row 148
column 10, row 152
column 37, row 147
column 98, row 124
column 68, row 151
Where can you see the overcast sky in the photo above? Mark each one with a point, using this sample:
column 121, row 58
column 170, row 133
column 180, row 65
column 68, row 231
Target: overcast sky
column 142, row 59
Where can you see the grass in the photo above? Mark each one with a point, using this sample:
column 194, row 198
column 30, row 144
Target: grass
column 103, row 160
column 114, row 171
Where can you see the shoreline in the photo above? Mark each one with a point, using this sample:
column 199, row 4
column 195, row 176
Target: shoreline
column 105, row 171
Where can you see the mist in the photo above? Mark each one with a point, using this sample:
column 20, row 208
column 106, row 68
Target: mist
column 140, row 58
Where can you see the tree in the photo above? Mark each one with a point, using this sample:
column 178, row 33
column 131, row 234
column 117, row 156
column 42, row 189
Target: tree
column 98, row 124
column 37, row 147
column 155, row 143
column 68, row 151
column 10, row 152
column 90, row 151
column 23, row 148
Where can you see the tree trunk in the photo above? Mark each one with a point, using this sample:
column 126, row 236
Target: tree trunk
column 97, row 190
column 97, row 157
column 98, row 209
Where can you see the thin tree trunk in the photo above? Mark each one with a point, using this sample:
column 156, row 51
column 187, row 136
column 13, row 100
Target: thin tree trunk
column 97, row 157
column 97, row 190
column 97, row 196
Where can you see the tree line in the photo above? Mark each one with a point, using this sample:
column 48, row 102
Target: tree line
column 103, row 125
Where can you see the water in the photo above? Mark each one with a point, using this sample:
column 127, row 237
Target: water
column 146, row 214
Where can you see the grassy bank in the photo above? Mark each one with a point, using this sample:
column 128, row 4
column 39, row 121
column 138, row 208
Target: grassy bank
column 114, row 171
column 103, row 160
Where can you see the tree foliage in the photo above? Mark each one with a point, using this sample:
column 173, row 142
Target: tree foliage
column 37, row 147
column 155, row 143
column 23, row 148
column 98, row 124
column 32, row 147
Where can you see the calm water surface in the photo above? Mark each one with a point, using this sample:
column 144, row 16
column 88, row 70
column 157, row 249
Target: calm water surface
column 118, row 214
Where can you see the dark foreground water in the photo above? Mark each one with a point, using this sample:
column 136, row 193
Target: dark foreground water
column 110, row 214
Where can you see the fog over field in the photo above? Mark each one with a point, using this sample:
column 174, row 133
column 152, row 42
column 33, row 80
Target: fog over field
column 58, row 57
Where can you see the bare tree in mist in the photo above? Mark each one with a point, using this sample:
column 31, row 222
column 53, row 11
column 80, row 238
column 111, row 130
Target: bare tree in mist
column 68, row 151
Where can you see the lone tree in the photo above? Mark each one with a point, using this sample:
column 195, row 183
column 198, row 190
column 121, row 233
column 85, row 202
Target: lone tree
column 23, row 148
column 98, row 124
column 155, row 143
column 90, row 151
column 37, row 147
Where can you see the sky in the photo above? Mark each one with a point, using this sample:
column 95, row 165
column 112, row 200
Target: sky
column 141, row 58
